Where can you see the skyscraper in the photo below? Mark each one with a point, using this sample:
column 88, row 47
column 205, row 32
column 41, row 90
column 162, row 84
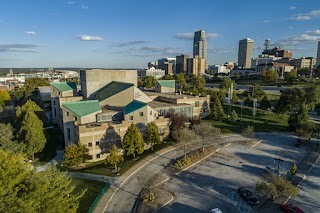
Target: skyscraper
column 245, row 53
column 200, row 45
column 181, row 64
column 318, row 56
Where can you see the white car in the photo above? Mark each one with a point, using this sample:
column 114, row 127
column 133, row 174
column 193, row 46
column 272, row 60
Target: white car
column 216, row 210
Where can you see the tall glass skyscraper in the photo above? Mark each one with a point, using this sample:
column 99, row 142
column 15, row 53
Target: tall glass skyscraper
column 318, row 56
column 200, row 45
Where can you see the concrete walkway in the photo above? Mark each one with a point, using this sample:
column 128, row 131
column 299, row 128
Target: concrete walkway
column 54, row 161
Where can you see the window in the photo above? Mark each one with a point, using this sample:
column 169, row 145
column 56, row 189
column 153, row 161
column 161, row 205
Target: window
column 68, row 133
column 161, row 131
column 97, row 156
column 90, row 144
column 97, row 143
column 55, row 112
column 196, row 104
column 155, row 115
column 75, row 118
column 150, row 112
column 141, row 113
column 67, row 113
column 54, row 103
column 131, row 118
column 59, row 93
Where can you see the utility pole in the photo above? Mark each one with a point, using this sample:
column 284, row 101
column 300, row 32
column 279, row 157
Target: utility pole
column 278, row 159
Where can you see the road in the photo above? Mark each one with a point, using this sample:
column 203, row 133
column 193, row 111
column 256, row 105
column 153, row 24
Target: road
column 124, row 199
column 214, row 182
column 309, row 194
column 245, row 87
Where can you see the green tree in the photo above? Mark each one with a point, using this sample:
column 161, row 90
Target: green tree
column 180, row 79
column 270, row 75
column 32, row 83
column 255, row 91
column 115, row 157
column 132, row 142
column 6, row 139
column 149, row 82
column 217, row 112
column 167, row 77
column 206, row 132
column 291, row 76
column 235, row 98
column 265, row 103
column 16, row 95
column 293, row 169
column 153, row 136
column 197, row 83
column 4, row 98
column 234, row 116
column 276, row 187
column 248, row 132
column 30, row 106
column 177, row 119
column 226, row 83
column 183, row 136
column 75, row 154
column 31, row 134
column 25, row 190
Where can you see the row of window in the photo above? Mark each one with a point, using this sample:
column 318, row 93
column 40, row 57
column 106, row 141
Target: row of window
column 97, row 144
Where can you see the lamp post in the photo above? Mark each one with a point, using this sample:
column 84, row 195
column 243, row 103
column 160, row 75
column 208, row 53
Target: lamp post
column 278, row 159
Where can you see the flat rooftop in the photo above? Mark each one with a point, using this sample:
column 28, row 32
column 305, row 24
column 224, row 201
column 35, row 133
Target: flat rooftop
column 162, row 104
column 169, row 95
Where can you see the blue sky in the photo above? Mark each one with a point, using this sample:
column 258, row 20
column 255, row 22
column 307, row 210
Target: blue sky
column 130, row 33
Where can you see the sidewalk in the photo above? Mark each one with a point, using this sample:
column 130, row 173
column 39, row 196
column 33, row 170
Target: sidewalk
column 53, row 161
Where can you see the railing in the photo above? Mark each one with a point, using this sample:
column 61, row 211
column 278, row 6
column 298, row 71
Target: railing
column 98, row 198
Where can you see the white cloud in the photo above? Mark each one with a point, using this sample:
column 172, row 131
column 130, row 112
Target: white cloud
column 189, row 36
column 71, row 2
column 19, row 47
column 90, row 38
column 266, row 21
column 85, row 7
column 290, row 27
column 307, row 16
column 129, row 43
column 31, row 33
column 307, row 37
column 292, row 8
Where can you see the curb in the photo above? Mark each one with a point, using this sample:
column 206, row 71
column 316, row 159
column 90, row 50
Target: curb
column 256, row 143
column 164, row 204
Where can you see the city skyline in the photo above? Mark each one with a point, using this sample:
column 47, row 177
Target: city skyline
column 124, row 34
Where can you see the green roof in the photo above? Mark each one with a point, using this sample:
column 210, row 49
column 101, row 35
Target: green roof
column 167, row 83
column 82, row 108
column 133, row 106
column 112, row 89
column 64, row 86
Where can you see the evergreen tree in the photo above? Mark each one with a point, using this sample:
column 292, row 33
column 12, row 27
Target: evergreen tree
column 6, row 137
column 31, row 134
column 149, row 82
column 265, row 103
column 235, row 98
column 217, row 111
column 234, row 116
column 25, row 190
column 75, row 154
column 115, row 157
column 132, row 142
column 32, row 107
column 153, row 136
column 293, row 169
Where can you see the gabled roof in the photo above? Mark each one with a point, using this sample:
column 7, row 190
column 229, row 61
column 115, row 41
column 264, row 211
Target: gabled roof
column 112, row 89
column 167, row 83
column 82, row 108
column 64, row 86
column 133, row 106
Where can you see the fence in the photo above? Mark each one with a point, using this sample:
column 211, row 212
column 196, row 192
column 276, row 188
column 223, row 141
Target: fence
column 98, row 198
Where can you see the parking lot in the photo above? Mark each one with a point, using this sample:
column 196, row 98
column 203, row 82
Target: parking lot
column 213, row 182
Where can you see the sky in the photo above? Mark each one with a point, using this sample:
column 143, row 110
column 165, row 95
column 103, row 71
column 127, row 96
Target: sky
column 131, row 33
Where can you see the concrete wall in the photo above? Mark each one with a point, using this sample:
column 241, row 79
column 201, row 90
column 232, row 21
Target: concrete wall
column 140, row 96
column 162, row 89
column 148, row 115
column 93, row 80
column 120, row 99
column 203, row 108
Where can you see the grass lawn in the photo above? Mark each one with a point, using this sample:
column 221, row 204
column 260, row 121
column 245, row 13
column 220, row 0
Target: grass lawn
column 93, row 189
column 54, row 140
column 101, row 168
column 265, row 121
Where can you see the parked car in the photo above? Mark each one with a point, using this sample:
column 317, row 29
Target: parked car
column 288, row 208
column 215, row 210
column 246, row 194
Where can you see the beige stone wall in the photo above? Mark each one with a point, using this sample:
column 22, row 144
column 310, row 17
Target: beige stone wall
column 140, row 96
column 143, row 115
column 204, row 105
column 93, row 80
column 91, row 118
column 121, row 99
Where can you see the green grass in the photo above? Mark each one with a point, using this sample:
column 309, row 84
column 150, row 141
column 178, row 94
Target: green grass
column 93, row 189
column 101, row 168
column 265, row 121
column 54, row 140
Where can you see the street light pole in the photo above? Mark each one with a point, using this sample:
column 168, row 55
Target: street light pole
column 278, row 159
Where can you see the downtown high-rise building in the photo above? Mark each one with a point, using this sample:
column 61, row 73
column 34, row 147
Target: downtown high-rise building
column 245, row 53
column 200, row 45
column 181, row 64
column 318, row 56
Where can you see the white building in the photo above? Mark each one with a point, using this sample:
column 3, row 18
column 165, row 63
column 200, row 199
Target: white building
column 156, row 73
column 263, row 59
column 220, row 69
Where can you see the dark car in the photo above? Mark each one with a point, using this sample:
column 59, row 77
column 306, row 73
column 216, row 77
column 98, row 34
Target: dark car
column 288, row 208
column 246, row 194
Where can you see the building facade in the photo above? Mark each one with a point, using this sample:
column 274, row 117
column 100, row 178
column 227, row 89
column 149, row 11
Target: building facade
column 156, row 73
column 318, row 56
column 196, row 66
column 200, row 46
column 181, row 64
column 308, row 62
column 245, row 53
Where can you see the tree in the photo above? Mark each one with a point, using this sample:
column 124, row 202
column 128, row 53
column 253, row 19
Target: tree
column 6, row 137
column 16, row 95
column 180, row 79
column 32, row 83
column 149, row 82
column 270, row 75
column 265, row 103
column 132, row 142
column 31, row 134
column 153, row 136
column 115, row 157
column 248, row 132
column 177, row 119
column 167, row 77
column 235, row 98
column 293, row 169
column 206, row 132
column 183, row 136
column 234, row 116
column 4, row 98
column 30, row 106
column 306, row 129
column 25, row 190
column 226, row 83
column 291, row 76
column 276, row 187
column 255, row 91
column 197, row 83
column 75, row 154
column 217, row 111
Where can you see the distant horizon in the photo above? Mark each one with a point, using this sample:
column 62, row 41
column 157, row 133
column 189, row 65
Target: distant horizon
column 92, row 34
